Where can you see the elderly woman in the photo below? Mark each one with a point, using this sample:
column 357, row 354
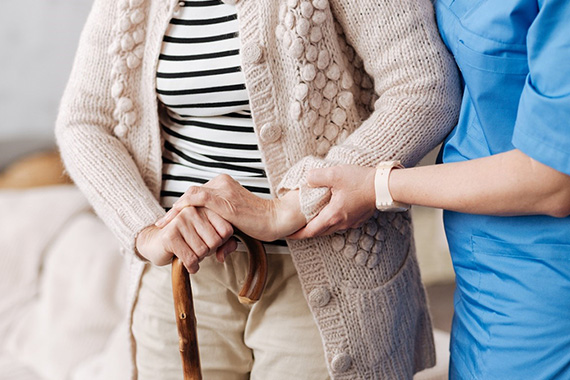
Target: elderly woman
column 165, row 95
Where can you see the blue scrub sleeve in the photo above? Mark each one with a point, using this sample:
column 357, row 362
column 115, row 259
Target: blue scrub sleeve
column 542, row 128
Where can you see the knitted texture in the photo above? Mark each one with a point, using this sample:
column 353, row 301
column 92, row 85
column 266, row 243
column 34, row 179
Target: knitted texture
column 330, row 82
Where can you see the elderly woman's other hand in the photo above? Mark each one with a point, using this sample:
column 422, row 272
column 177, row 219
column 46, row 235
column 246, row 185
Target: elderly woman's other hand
column 263, row 219
column 352, row 201
column 191, row 235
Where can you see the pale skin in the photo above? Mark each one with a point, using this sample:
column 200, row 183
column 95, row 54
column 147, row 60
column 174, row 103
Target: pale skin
column 200, row 223
column 509, row 183
column 194, row 234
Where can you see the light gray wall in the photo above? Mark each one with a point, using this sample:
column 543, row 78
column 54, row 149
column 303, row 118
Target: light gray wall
column 38, row 39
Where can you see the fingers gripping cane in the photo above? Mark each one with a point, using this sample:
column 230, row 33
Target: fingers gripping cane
column 184, row 306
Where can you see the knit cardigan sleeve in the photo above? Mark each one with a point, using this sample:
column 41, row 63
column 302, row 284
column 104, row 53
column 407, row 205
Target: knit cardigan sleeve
column 415, row 81
column 99, row 163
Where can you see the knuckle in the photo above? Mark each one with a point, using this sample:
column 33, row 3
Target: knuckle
column 177, row 221
column 201, row 196
column 190, row 191
column 225, row 179
column 189, row 212
column 332, row 174
column 226, row 231
column 214, row 242
column 185, row 260
column 201, row 250
column 192, row 269
column 336, row 219
column 191, row 259
column 168, row 236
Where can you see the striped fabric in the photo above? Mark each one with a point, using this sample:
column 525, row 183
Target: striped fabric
column 206, row 123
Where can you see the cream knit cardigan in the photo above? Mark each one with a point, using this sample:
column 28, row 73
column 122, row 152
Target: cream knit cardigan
column 330, row 82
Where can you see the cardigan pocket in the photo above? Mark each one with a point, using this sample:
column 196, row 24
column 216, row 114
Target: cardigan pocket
column 373, row 255
column 392, row 324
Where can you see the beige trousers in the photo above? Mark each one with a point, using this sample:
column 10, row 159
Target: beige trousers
column 275, row 339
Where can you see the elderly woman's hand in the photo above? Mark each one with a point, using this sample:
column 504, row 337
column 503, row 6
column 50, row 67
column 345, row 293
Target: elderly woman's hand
column 263, row 219
column 352, row 201
column 191, row 235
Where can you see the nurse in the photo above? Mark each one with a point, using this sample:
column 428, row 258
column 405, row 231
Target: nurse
column 505, row 186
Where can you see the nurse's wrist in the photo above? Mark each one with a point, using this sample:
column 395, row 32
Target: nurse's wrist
column 396, row 186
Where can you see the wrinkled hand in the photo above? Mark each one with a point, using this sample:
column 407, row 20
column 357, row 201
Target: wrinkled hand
column 352, row 201
column 263, row 219
column 191, row 235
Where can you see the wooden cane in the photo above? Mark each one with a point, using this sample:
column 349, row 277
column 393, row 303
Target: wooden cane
column 184, row 307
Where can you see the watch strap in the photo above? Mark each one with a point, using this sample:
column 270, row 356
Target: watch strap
column 384, row 200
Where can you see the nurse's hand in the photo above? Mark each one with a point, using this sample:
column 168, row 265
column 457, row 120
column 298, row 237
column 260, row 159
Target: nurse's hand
column 191, row 236
column 263, row 219
column 352, row 201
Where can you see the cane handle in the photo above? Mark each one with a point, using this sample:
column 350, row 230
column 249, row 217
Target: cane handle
column 254, row 284
column 184, row 307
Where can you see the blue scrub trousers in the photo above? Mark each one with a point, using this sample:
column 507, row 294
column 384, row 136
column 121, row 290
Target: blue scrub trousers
column 512, row 310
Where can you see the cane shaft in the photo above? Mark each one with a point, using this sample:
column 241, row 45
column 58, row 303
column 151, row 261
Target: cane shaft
column 186, row 321
column 184, row 306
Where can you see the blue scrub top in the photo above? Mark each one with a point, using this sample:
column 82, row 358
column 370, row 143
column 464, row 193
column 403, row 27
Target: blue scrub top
column 514, row 57
column 512, row 306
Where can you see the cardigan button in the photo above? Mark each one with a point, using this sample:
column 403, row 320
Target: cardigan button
column 341, row 363
column 319, row 297
column 337, row 242
column 120, row 130
column 270, row 133
column 252, row 53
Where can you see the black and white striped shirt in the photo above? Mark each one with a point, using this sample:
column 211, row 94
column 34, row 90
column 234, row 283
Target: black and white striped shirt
column 207, row 125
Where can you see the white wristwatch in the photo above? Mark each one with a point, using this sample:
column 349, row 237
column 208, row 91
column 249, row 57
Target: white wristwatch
column 384, row 201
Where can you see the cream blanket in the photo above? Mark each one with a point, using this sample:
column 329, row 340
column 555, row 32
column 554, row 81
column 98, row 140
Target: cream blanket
column 61, row 285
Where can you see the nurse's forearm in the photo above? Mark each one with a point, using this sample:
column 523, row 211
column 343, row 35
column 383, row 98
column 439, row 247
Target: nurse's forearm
column 509, row 183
